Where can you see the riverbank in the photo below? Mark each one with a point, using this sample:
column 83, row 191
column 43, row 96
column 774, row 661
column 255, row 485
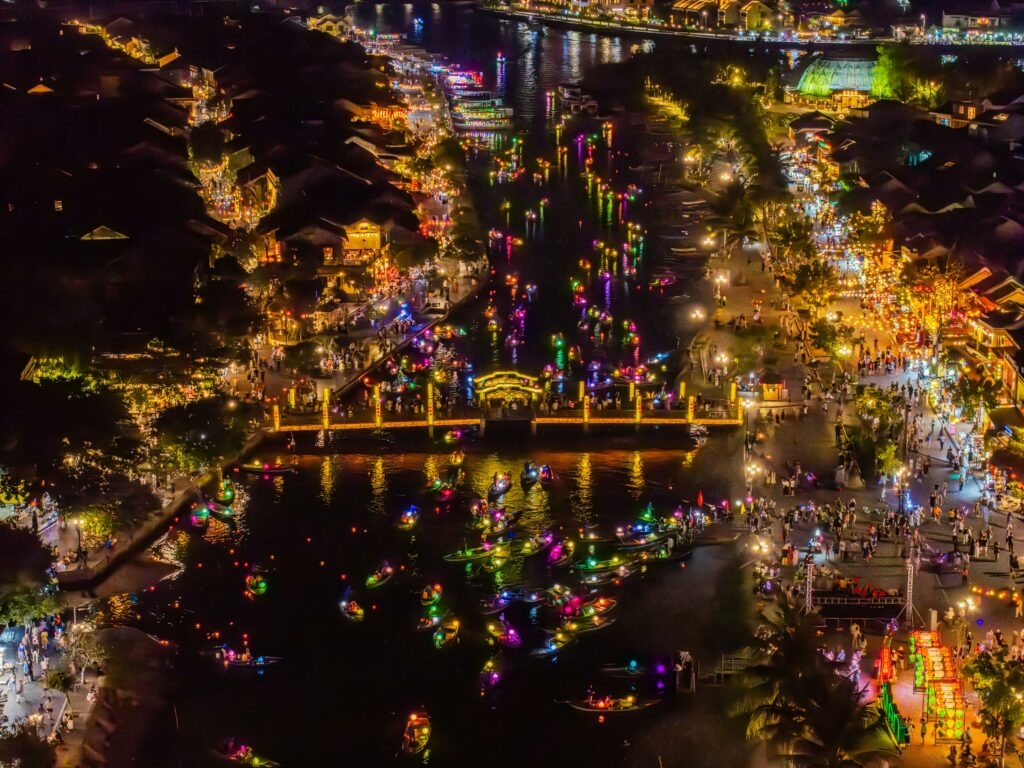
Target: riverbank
column 640, row 29
column 131, row 541
column 130, row 694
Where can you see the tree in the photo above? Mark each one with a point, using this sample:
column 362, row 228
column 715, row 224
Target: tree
column 889, row 79
column 884, row 405
column 829, row 726
column 784, row 652
column 797, row 702
column 733, row 216
column 84, row 648
column 970, row 394
column 936, row 296
column 794, row 236
column 834, row 338
column 62, row 681
column 997, row 680
column 26, row 590
column 21, row 747
column 886, row 460
column 200, row 433
column 816, row 281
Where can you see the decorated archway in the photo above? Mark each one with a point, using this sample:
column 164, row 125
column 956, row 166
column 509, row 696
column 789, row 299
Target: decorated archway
column 502, row 389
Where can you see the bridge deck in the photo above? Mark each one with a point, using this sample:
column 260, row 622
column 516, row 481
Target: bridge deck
column 313, row 422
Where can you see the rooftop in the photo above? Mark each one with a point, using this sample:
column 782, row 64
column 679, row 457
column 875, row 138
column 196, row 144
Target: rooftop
column 826, row 75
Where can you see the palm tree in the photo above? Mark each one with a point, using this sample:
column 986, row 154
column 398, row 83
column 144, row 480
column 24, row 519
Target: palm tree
column 732, row 215
column 784, row 653
column 796, row 701
column 830, row 725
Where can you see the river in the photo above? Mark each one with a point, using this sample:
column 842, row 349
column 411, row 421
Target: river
column 343, row 690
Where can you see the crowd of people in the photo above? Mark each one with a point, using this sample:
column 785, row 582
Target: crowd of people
column 40, row 648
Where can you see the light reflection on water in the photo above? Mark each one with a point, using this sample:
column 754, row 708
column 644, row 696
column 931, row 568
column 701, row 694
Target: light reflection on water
column 581, row 499
column 328, row 478
column 378, row 506
column 118, row 610
column 636, row 475
column 172, row 547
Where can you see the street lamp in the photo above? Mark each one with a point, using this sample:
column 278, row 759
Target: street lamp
column 704, row 15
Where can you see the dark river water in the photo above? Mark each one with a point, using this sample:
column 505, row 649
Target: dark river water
column 343, row 690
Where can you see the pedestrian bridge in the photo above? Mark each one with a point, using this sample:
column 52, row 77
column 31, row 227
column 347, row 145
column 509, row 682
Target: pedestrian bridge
column 508, row 396
column 582, row 418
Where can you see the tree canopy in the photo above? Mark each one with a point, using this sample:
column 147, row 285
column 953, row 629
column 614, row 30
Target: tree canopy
column 998, row 680
column 24, row 581
column 803, row 706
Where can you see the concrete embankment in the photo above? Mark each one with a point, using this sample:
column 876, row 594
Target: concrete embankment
column 105, row 561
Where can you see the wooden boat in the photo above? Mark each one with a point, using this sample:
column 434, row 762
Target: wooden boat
column 200, row 517
column 634, row 542
column 226, row 492
column 253, row 662
column 497, row 603
column 664, row 554
column 562, row 553
column 352, row 610
column 552, row 645
column 446, row 633
column 430, row 595
column 265, row 468
column 496, row 561
column 244, row 755
column 256, row 584
column 476, row 553
column 490, row 674
column 499, row 487
column 583, row 625
column 504, row 633
column 432, row 620
column 220, row 511
column 533, row 545
column 593, row 565
column 596, row 607
column 590, row 535
column 606, row 704
column 409, row 518
column 380, row 576
column 606, row 577
column 417, row 733
column 632, row 669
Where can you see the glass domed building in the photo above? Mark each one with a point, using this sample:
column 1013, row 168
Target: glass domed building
column 834, row 82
